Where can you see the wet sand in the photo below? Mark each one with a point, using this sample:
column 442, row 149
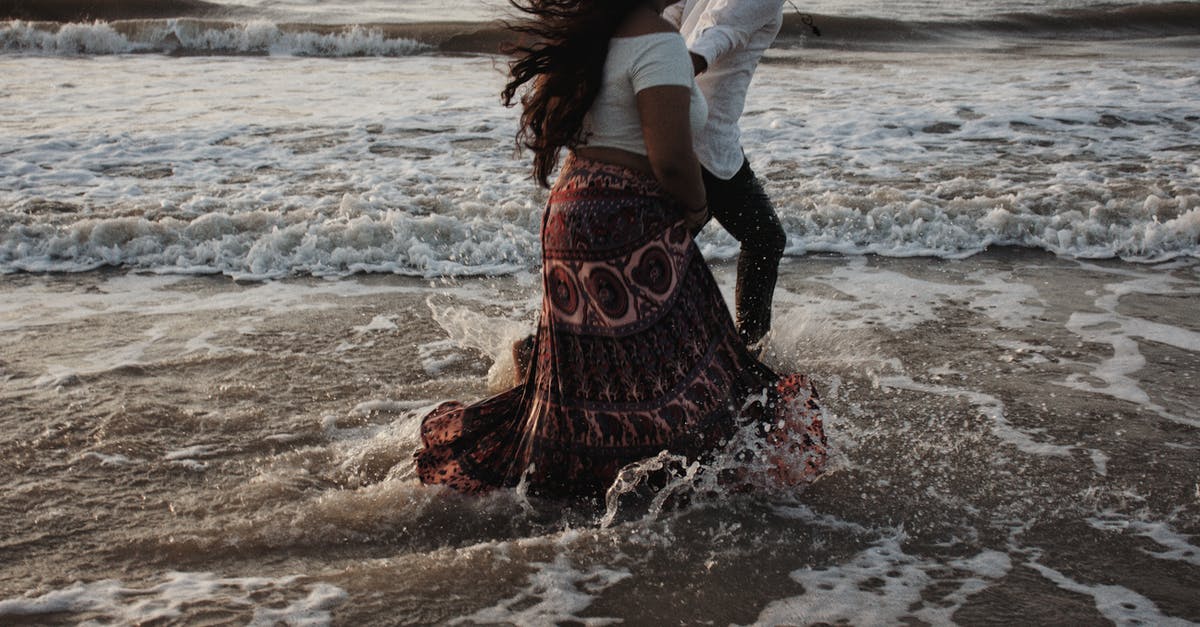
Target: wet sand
column 1017, row 438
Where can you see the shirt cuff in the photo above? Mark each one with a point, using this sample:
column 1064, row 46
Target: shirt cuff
column 709, row 44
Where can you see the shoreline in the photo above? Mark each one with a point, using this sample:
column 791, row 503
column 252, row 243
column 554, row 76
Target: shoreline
column 1011, row 253
column 1174, row 23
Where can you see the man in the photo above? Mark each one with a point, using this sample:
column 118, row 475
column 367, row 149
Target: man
column 726, row 39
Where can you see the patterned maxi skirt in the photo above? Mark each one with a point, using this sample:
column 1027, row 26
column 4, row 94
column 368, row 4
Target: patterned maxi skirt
column 635, row 353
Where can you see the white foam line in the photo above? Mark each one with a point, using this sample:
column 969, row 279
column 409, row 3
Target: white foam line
column 199, row 450
column 191, row 464
column 77, row 598
column 311, row 611
column 203, row 343
column 900, row 302
column 880, row 586
column 131, row 354
column 1118, row 331
column 1118, row 604
column 438, row 355
column 378, row 323
column 558, row 591
column 1178, row 548
column 1164, row 334
column 120, row 604
column 1177, row 545
column 806, row 514
column 834, row 593
column 384, row 406
column 107, row 459
column 148, row 296
column 1113, row 371
column 1011, row 304
column 989, row 406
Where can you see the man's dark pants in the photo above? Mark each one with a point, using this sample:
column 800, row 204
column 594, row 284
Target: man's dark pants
column 742, row 207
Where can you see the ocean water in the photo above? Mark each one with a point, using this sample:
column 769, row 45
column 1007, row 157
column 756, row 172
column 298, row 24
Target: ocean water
column 243, row 248
column 393, row 156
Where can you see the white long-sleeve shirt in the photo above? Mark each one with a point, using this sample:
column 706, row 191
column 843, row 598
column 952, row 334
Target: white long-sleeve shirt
column 731, row 35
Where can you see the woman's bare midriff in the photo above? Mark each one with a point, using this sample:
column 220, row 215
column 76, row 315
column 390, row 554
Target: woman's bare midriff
column 616, row 156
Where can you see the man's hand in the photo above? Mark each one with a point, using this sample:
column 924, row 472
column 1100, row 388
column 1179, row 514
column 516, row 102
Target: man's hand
column 699, row 64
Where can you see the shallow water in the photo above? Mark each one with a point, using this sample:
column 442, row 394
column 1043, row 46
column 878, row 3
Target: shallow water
column 1015, row 440
column 194, row 429
column 234, row 166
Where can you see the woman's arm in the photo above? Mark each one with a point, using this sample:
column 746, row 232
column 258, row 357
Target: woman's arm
column 665, row 129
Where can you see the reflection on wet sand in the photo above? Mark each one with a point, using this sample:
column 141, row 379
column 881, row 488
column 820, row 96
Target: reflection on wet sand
column 243, row 451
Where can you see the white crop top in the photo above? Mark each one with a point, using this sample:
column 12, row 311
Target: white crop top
column 634, row 64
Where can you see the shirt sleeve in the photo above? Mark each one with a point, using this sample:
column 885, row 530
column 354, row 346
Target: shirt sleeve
column 661, row 61
column 733, row 22
column 674, row 13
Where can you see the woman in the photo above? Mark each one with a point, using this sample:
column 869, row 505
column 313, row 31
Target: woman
column 635, row 351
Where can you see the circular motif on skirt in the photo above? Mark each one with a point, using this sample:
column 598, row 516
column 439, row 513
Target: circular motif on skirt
column 609, row 292
column 564, row 295
column 654, row 271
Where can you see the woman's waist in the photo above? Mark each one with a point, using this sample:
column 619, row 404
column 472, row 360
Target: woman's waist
column 598, row 204
column 612, row 155
column 598, row 172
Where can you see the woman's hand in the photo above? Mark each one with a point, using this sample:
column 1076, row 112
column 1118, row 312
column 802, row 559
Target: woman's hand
column 695, row 219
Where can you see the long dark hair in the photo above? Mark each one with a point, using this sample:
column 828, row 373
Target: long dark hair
column 563, row 67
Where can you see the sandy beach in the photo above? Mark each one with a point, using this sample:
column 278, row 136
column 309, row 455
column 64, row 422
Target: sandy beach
column 1006, row 427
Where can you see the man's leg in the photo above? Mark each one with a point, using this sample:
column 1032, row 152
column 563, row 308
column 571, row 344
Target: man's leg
column 742, row 207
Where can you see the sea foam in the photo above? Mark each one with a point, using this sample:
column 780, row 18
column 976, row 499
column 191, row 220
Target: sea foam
column 113, row 600
column 196, row 37
column 406, row 165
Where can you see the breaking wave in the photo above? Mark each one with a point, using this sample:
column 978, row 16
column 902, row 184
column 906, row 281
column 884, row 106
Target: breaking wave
column 201, row 30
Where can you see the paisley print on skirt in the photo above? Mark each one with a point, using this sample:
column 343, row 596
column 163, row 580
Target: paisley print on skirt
column 635, row 353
